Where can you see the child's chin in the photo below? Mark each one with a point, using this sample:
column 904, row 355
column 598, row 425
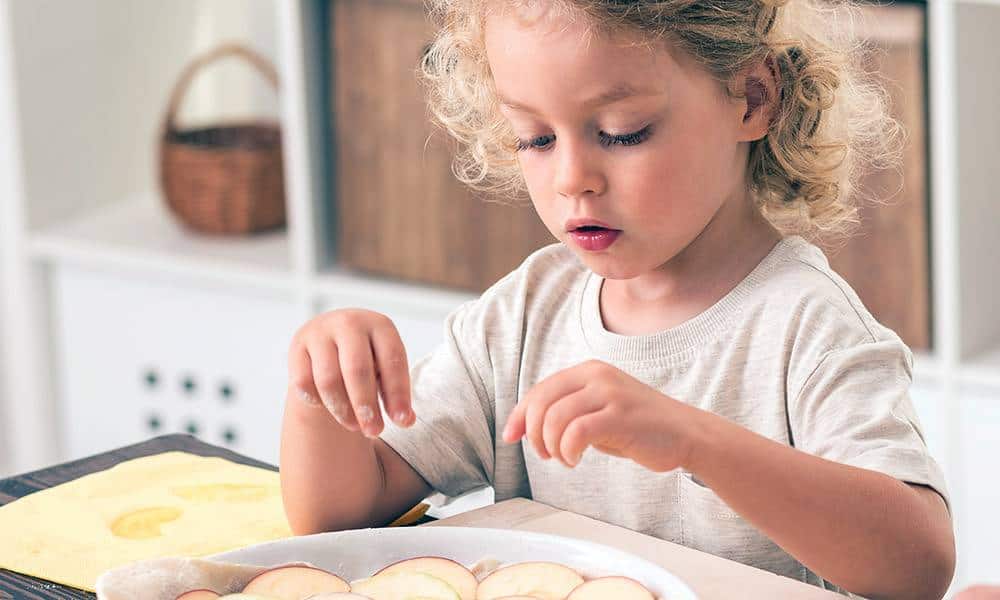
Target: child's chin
column 609, row 268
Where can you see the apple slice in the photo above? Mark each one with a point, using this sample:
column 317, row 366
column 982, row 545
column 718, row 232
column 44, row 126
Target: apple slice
column 199, row 595
column 405, row 586
column 543, row 580
column 339, row 596
column 245, row 597
column 295, row 583
column 454, row 574
column 619, row 588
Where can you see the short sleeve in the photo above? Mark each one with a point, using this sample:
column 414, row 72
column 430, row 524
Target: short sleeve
column 451, row 445
column 855, row 408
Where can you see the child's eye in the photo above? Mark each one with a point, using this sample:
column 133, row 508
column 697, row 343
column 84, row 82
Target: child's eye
column 538, row 143
column 627, row 139
column 606, row 139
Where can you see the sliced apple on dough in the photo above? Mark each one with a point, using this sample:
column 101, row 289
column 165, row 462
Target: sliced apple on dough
column 199, row 595
column 405, row 585
column 454, row 574
column 619, row 588
column 542, row 580
column 295, row 583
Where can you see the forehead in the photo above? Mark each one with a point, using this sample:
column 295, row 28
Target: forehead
column 536, row 41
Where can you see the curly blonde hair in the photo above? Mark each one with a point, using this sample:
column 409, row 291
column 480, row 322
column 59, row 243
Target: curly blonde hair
column 831, row 124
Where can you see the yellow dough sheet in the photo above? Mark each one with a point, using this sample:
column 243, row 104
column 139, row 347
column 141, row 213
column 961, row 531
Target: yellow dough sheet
column 170, row 504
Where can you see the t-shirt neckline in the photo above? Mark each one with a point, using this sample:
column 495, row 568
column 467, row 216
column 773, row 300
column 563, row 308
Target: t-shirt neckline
column 676, row 343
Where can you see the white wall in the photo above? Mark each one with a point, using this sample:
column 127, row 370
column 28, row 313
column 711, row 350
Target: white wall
column 93, row 81
column 9, row 182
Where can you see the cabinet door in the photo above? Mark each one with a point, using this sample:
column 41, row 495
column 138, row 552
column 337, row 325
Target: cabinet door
column 139, row 358
column 887, row 262
column 979, row 520
column 401, row 211
column 929, row 400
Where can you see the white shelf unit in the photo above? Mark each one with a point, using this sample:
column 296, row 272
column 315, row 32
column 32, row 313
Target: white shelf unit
column 140, row 235
column 90, row 247
column 79, row 117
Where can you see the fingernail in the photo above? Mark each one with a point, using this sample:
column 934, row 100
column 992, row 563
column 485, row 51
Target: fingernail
column 365, row 414
column 307, row 398
column 401, row 417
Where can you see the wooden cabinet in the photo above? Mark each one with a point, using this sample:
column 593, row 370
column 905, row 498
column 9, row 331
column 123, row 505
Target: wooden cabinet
column 402, row 213
column 887, row 261
column 400, row 210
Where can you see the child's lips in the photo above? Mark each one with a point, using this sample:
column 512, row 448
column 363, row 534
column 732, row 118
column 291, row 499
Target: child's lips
column 583, row 222
column 594, row 239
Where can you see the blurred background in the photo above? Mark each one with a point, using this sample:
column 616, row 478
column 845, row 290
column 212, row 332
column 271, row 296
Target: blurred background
column 184, row 183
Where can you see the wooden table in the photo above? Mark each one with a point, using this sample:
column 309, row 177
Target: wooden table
column 711, row 577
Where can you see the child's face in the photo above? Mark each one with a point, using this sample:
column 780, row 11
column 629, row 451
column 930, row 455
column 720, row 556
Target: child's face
column 657, row 162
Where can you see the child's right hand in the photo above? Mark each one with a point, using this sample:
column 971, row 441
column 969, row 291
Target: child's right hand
column 344, row 359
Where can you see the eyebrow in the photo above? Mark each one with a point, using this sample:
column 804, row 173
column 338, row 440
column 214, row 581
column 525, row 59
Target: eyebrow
column 620, row 91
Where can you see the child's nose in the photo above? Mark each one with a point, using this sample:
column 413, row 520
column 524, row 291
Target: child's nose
column 578, row 172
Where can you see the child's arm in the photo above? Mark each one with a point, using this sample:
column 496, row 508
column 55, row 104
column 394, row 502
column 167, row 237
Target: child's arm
column 862, row 530
column 334, row 473
column 334, row 479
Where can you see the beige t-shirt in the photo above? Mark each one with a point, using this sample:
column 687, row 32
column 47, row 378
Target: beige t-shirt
column 790, row 353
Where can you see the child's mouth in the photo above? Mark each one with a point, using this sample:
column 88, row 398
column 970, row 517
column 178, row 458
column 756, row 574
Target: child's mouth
column 594, row 238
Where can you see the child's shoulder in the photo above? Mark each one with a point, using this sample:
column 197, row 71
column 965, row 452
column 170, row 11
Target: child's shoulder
column 802, row 286
column 551, row 269
column 541, row 285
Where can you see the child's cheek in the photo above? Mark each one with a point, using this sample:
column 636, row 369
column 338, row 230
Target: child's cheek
column 538, row 181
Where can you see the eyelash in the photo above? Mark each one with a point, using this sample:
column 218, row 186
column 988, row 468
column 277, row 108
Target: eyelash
column 607, row 140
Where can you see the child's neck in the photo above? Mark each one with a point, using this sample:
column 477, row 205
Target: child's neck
column 706, row 270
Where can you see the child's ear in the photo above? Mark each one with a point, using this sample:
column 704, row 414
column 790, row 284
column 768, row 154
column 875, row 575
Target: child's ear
column 759, row 86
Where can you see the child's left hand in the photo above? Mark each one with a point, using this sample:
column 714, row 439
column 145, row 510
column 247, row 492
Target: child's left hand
column 595, row 404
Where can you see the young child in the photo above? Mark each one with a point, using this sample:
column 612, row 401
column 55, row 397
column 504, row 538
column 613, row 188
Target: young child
column 683, row 362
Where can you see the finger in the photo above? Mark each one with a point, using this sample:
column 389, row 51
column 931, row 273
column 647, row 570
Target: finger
column 561, row 414
column 329, row 383
column 393, row 373
column 581, row 433
column 541, row 397
column 555, row 386
column 358, row 367
column 514, row 429
column 300, row 379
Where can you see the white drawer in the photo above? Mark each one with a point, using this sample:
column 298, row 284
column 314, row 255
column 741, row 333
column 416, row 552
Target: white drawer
column 140, row 357
column 980, row 525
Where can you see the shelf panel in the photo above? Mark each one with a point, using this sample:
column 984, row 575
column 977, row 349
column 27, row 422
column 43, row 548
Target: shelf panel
column 141, row 234
column 983, row 370
column 978, row 157
column 990, row 3
column 344, row 284
column 926, row 366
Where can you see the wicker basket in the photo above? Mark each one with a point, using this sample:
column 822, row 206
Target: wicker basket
column 226, row 179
